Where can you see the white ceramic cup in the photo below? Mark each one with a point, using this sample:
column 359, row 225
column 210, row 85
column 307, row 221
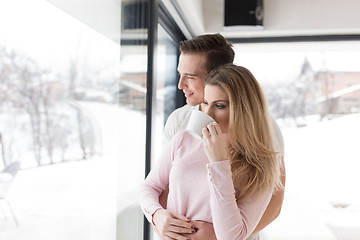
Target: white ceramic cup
column 198, row 120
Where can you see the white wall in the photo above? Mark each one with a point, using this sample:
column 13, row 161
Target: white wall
column 101, row 15
column 307, row 15
column 282, row 17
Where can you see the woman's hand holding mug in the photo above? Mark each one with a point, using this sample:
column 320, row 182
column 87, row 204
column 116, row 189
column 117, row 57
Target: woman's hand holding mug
column 215, row 143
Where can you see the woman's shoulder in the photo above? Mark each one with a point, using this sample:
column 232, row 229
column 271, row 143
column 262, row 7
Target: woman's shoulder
column 183, row 137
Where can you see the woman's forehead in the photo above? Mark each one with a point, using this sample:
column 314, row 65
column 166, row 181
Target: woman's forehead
column 215, row 93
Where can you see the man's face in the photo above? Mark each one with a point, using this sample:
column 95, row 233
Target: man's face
column 192, row 73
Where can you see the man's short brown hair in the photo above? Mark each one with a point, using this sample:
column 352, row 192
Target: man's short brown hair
column 217, row 49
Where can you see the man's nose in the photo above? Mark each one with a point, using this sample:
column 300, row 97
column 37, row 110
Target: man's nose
column 182, row 82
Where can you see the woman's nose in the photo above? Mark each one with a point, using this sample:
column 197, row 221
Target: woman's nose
column 209, row 112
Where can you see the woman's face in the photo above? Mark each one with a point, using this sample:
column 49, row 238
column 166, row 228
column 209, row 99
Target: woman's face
column 216, row 104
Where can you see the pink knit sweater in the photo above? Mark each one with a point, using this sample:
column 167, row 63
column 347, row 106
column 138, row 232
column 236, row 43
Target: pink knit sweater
column 200, row 190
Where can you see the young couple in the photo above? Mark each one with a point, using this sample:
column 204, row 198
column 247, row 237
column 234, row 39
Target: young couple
column 228, row 185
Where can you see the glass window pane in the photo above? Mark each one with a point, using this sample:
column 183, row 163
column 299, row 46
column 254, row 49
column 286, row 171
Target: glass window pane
column 313, row 90
column 132, row 123
column 166, row 81
column 59, row 115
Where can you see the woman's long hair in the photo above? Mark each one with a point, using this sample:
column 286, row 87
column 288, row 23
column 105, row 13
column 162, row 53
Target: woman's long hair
column 254, row 162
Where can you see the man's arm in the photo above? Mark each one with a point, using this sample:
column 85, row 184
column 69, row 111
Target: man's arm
column 163, row 197
column 273, row 209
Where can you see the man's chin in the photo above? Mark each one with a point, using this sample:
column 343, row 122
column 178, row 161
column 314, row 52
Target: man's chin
column 191, row 103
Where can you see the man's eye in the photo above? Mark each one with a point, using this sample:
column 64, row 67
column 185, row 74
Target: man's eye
column 186, row 76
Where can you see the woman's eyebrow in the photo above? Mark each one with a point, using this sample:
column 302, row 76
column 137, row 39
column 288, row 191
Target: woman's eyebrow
column 216, row 101
column 221, row 101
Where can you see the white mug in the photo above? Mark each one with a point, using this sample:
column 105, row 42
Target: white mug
column 198, row 120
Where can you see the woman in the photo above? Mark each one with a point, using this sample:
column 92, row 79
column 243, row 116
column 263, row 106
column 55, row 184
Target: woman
column 227, row 178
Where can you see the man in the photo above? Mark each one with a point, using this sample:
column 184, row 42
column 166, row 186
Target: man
column 198, row 57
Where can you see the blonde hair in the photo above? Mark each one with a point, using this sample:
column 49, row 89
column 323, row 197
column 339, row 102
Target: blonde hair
column 254, row 162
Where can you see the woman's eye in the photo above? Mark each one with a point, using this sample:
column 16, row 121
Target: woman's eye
column 220, row 106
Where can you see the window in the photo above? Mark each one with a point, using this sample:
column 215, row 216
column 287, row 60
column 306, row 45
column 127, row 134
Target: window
column 59, row 115
column 134, row 87
column 313, row 90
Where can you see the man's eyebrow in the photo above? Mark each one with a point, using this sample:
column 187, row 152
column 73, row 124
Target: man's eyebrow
column 188, row 74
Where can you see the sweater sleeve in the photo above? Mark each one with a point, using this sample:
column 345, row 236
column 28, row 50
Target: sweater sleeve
column 156, row 181
column 230, row 220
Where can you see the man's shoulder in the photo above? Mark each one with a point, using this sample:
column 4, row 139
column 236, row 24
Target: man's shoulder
column 177, row 121
column 184, row 109
column 182, row 112
column 278, row 135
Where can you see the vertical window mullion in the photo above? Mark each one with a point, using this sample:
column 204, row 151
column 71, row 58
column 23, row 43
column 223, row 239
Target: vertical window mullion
column 150, row 93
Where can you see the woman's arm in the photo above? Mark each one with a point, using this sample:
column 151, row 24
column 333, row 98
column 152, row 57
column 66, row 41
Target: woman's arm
column 230, row 220
column 151, row 188
column 169, row 225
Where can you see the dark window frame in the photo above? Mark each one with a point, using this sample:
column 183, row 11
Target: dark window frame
column 157, row 13
column 305, row 38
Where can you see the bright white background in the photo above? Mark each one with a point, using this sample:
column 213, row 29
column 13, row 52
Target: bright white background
column 78, row 200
